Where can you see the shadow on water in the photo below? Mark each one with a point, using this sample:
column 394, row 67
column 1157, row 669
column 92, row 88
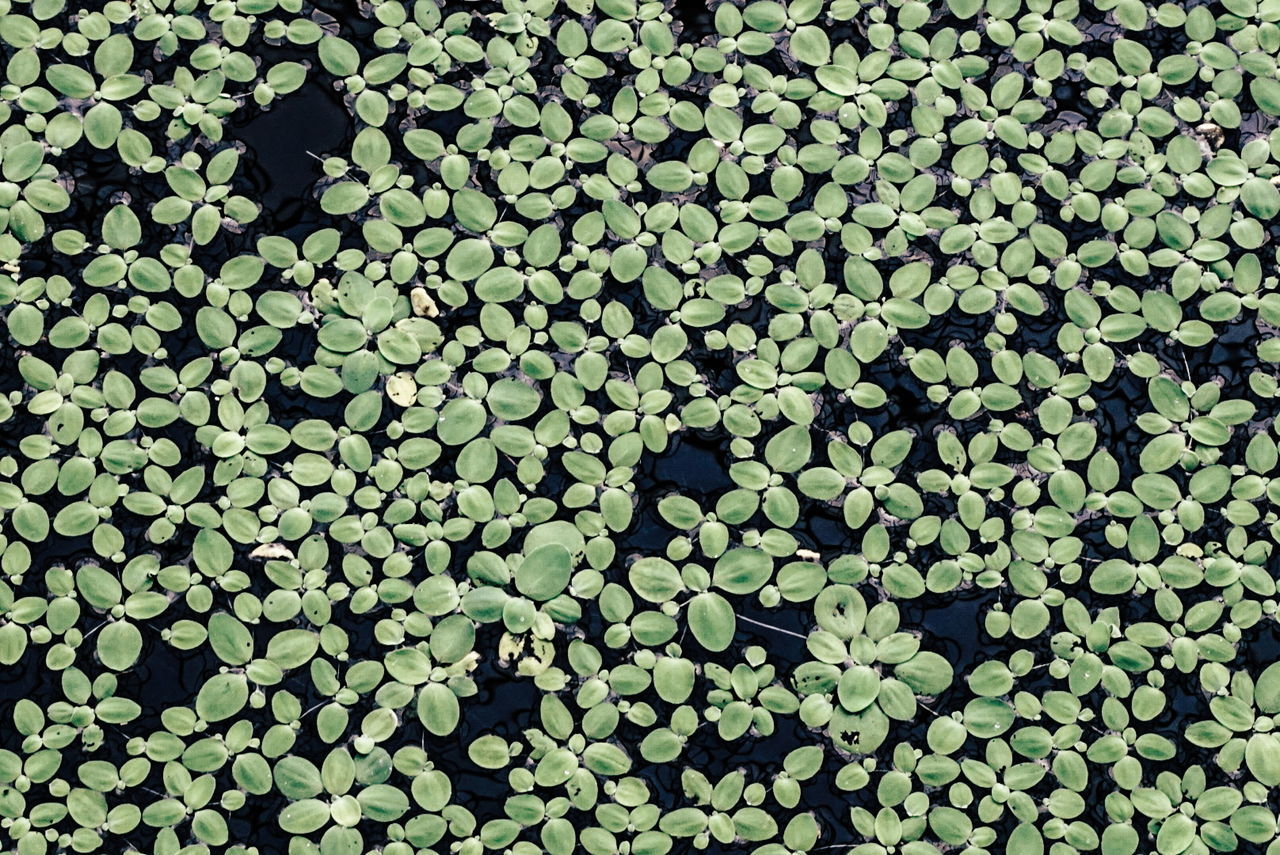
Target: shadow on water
column 26, row 678
column 781, row 631
column 696, row 17
column 693, row 465
column 1262, row 645
column 824, row 530
column 170, row 676
column 281, row 142
column 649, row 533
column 952, row 624
column 505, row 706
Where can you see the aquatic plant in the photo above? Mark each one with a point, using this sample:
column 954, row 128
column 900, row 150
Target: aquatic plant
column 639, row 427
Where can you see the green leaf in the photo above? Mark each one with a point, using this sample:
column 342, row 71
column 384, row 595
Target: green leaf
column 222, row 696
column 119, row 645
column 712, row 621
column 544, row 572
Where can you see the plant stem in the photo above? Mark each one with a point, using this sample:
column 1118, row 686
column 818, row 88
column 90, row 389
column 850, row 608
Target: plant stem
column 771, row 626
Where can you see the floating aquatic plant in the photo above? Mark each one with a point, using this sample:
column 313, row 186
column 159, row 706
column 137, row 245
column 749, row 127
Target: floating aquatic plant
column 650, row 427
